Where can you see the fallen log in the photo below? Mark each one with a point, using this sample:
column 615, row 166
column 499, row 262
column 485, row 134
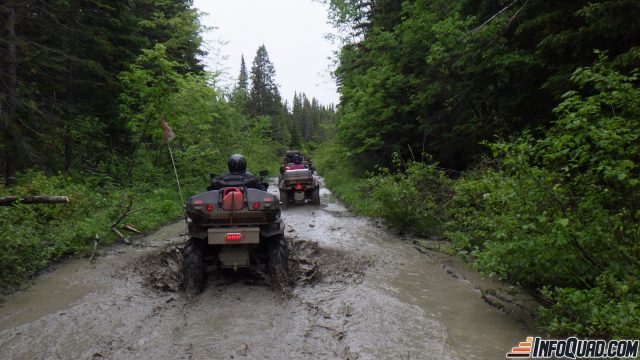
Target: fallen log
column 8, row 200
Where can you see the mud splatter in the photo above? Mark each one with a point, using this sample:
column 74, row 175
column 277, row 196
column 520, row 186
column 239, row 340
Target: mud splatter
column 309, row 264
column 312, row 264
column 162, row 269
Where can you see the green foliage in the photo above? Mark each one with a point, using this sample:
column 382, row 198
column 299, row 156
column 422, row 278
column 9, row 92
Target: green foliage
column 264, row 94
column 307, row 119
column 31, row 236
column 443, row 76
column 610, row 308
column 560, row 213
column 108, row 155
column 411, row 200
column 59, row 106
column 556, row 214
column 344, row 180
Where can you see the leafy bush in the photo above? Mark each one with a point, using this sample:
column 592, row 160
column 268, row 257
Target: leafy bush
column 412, row 200
column 557, row 214
column 608, row 309
column 31, row 236
column 339, row 174
column 560, row 213
column 207, row 129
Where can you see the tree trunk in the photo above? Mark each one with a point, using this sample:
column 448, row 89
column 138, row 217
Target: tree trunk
column 8, row 200
column 7, row 118
column 70, row 98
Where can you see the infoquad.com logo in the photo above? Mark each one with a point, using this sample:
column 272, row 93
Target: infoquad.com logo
column 574, row 348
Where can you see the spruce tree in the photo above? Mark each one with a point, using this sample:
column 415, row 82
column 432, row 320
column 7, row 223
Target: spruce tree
column 240, row 94
column 243, row 79
column 264, row 95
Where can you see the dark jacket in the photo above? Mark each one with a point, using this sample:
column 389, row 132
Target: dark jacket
column 245, row 179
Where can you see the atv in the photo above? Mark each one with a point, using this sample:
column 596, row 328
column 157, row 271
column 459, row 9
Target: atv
column 298, row 185
column 232, row 228
column 297, row 182
column 289, row 156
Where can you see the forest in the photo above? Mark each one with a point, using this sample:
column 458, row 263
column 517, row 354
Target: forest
column 510, row 132
column 85, row 86
column 507, row 131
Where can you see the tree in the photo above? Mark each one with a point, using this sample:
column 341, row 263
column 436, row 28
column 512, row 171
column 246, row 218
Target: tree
column 59, row 80
column 243, row 78
column 264, row 94
column 240, row 94
column 264, row 97
column 7, row 115
column 443, row 76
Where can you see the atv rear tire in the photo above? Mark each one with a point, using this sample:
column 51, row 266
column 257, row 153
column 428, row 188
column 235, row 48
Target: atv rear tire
column 279, row 261
column 284, row 198
column 315, row 196
column 193, row 267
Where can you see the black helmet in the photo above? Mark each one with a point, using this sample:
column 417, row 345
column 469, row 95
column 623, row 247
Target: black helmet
column 297, row 159
column 237, row 164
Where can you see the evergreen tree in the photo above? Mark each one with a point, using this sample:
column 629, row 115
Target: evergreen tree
column 240, row 94
column 243, row 78
column 296, row 118
column 264, row 95
column 60, row 62
column 444, row 76
column 307, row 118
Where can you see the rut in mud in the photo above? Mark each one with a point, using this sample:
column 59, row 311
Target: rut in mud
column 309, row 264
column 359, row 292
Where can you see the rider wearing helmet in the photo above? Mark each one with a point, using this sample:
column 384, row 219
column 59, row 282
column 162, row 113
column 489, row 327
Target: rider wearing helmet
column 297, row 163
column 237, row 175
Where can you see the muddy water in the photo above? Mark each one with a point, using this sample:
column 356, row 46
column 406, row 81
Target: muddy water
column 361, row 293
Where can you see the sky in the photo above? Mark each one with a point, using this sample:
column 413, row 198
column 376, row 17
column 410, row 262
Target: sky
column 293, row 31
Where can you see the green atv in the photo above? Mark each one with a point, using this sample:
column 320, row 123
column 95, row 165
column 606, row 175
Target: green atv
column 233, row 228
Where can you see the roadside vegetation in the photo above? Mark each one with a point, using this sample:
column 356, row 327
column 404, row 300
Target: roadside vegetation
column 84, row 89
column 500, row 128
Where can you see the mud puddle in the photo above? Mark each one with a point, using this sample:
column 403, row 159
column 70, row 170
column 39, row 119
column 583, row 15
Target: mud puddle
column 360, row 292
column 308, row 265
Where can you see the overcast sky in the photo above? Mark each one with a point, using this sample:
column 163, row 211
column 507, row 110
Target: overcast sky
column 293, row 32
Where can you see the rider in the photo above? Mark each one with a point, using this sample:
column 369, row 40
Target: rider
column 297, row 163
column 237, row 175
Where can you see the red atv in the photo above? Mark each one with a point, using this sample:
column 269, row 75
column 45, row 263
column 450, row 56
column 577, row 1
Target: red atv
column 297, row 184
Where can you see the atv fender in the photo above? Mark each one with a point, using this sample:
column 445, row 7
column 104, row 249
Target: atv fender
column 270, row 231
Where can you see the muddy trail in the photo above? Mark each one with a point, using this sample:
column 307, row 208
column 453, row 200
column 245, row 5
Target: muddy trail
column 361, row 292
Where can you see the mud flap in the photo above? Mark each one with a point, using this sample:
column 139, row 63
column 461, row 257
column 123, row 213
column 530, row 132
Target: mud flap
column 273, row 230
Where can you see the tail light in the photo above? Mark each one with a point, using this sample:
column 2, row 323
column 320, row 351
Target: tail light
column 256, row 205
column 233, row 237
column 298, row 186
column 210, row 207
